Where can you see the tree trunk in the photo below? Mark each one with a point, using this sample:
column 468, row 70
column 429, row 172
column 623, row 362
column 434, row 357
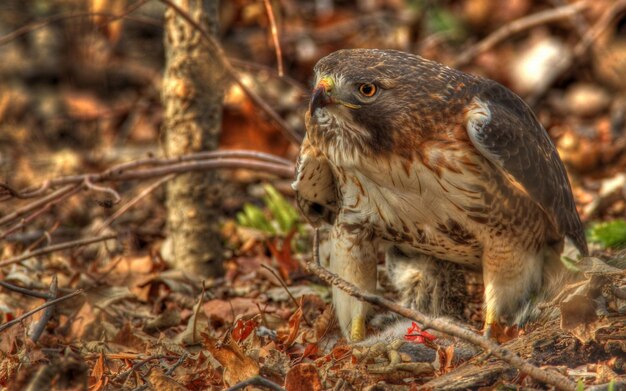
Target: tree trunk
column 193, row 93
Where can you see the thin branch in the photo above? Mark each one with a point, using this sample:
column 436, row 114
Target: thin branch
column 204, row 161
column 89, row 185
column 41, row 202
column 56, row 247
column 555, row 379
column 284, row 285
column 274, row 31
column 122, row 376
column 280, row 170
column 232, row 72
column 24, row 291
column 64, row 16
column 264, row 68
column 566, row 62
column 178, row 363
column 58, row 197
column 152, row 161
column 41, row 307
column 517, row 26
column 256, row 381
column 132, row 202
column 40, row 326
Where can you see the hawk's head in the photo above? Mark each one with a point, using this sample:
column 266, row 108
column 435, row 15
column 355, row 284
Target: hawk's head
column 373, row 97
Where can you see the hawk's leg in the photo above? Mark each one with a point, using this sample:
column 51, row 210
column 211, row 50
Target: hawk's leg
column 353, row 257
column 512, row 275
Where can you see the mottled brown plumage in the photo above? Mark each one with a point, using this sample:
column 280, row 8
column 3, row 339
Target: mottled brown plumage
column 411, row 157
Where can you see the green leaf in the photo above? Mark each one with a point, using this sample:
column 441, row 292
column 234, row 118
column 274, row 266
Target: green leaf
column 611, row 234
column 580, row 386
column 611, row 385
column 283, row 217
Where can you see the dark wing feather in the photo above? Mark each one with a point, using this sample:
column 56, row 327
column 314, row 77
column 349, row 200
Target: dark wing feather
column 316, row 193
column 511, row 137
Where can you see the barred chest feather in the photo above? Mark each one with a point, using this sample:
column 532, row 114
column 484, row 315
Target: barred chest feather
column 411, row 206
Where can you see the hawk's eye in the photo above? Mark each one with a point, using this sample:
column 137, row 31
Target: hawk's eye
column 367, row 89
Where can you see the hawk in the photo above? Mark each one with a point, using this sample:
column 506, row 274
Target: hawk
column 425, row 162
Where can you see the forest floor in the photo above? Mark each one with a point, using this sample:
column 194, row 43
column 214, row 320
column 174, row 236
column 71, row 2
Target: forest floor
column 80, row 95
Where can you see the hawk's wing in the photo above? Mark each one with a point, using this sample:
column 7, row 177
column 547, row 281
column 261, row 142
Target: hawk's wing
column 504, row 129
column 316, row 193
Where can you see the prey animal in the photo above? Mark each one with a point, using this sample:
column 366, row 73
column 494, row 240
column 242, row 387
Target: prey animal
column 431, row 166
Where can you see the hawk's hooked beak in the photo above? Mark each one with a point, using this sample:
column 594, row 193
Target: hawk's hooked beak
column 321, row 94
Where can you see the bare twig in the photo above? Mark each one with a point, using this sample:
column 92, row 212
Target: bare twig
column 56, row 247
column 284, row 285
column 232, row 72
column 113, row 172
column 274, row 31
column 122, row 376
column 256, row 381
column 178, row 363
column 39, row 203
column 57, row 18
column 51, row 201
column 103, row 189
column 196, row 311
column 280, row 170
column 556, row 379
column 203, row 161
column 40, row 326
column 41, row 307
column 580, row 49
column 24, row 291
column 132, row 202
column 264, row 68
column 517, row 26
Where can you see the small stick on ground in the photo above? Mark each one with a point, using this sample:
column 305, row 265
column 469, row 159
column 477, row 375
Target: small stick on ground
column 41, row 307
column 517, row 26
column 580, row 49
column 38, row 328
column 256, row 381
column 555, row 379
column 293, row 299
column 274, row 31
column 56, row 247
column 132, row 202
column 24, row 291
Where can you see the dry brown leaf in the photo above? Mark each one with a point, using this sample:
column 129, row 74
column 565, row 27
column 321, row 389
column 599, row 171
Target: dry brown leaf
column 237, row 365
column 303, row 377
column 162, row 382
column 578, row 316
column 83, row 321
column 228, row 310
column 294, row 326
column 97, row 379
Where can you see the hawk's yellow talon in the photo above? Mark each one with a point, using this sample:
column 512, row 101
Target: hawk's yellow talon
column 357, row 330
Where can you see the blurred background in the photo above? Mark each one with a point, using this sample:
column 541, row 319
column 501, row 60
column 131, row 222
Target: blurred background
column 80, row 91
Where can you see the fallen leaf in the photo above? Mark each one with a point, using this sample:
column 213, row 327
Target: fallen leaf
column 228, row 310
column 283, row 255
column 303, row 377
column 243, row 328
column 294, row 326
column 237, row 365
column 578, row 316
column 162, row 382
column 97, row 374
